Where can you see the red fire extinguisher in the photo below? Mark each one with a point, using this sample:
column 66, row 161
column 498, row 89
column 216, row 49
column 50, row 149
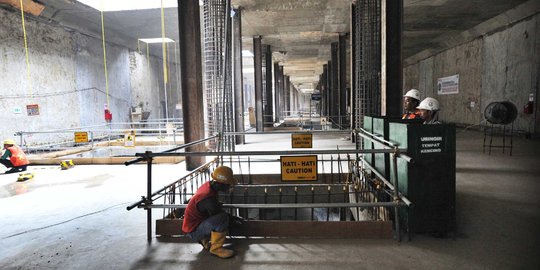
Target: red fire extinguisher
column 529, row 107
column 108, row 114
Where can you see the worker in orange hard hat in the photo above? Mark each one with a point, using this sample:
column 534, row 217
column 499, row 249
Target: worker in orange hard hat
column 204, row 218
column 13, row 157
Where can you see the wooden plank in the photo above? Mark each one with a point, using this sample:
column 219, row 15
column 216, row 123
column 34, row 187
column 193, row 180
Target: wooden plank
column 29, row 6
column 286, row 228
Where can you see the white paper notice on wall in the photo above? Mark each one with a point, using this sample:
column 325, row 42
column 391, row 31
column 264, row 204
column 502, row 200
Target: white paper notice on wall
column 448, row 85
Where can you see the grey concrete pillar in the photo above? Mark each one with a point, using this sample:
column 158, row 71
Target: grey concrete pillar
column 257, row 62
column 342, row 82
column 287, row 96
column 277, row 90
column 238, row 76
column 334, row 89
column 324, row 91
column 391, row 57
column 268, row 106
column 328, row 87
column 191, row 79
column 282, row 92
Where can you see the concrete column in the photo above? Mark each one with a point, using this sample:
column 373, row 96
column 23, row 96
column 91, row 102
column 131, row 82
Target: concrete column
column 268, row 107
column 324, row 91
column 191, row 79
column 334, row 89
column 282, row 92
column 238, row 77
column 257, row 63
column 342, row 82
column 287, row 95
column 328, row 88
column 277, row 90
column 391, row 57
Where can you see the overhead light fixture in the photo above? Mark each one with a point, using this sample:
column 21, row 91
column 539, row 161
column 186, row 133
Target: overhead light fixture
column 120, row 5
column 156, row 40
column 247, row 53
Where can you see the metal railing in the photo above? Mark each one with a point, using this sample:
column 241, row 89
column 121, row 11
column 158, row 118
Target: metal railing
column 62, row 139
column 352, row 195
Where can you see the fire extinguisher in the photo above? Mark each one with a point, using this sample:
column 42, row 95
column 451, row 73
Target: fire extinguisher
column 529, row 107
column 108, row 114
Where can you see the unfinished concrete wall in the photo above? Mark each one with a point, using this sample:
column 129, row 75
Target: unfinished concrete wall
column 511, row 68
column 67, row 80
column 502, row 66
column 90, row 81
column 52, row 77
column 145, row 83
column 148, row 87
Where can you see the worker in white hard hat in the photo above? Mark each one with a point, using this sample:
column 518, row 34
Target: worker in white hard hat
column 411, row 100
column 13, row 157
column 429, row 108
column 204, row 218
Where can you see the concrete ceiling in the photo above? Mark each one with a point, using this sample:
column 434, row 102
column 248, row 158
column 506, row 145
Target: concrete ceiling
column 300, row 32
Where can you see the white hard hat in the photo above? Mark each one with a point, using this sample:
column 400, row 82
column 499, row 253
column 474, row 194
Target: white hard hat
column 429, row 104
column 413, row 93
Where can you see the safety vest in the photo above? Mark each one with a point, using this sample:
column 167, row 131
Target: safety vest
column 410, row 116
column 192, row 216
column 18, row 158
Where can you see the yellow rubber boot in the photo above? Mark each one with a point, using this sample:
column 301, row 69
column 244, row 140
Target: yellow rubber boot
column 217, row 239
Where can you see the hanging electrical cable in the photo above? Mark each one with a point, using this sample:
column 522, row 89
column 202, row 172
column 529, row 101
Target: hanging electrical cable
column 29, row 82
column 104, row 56
column 165, row 73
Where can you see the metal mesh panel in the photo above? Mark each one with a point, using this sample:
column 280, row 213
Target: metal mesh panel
column 218, row 69
column 367, row 59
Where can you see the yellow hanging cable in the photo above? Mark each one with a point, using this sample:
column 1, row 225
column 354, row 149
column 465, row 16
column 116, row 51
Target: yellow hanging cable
column 168, row 64
column 26, row 50
column 165, row 77
column 104, row 56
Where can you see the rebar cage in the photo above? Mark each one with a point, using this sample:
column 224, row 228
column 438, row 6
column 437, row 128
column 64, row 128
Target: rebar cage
column 346, row 196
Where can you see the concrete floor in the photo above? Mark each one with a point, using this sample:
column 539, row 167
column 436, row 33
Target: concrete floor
column 76, row 219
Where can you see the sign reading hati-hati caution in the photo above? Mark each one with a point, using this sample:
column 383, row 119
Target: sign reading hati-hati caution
column 299, row 168
column 81, row 137
column 304, row 140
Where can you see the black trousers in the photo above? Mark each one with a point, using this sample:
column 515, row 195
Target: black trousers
column 6, row 162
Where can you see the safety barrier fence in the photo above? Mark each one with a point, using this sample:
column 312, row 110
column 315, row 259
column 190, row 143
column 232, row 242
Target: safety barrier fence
column 351, row 194
column 62, row 139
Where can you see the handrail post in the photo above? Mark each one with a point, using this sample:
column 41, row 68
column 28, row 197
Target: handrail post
column 148, row 196
column 396, row 195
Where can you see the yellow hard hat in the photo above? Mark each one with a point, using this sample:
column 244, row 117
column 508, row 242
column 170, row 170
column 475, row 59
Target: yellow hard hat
column 224, row 174
column 9, row 141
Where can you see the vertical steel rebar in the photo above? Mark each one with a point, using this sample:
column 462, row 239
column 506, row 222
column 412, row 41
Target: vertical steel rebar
column 295, row 201
column 280, row 201
column 312, row 201
column 328, row 201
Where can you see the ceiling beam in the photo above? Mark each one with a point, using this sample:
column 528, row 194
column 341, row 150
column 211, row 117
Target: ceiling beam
column 29, row 6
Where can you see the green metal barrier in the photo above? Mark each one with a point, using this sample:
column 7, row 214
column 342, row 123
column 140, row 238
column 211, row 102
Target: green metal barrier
column 429, row 182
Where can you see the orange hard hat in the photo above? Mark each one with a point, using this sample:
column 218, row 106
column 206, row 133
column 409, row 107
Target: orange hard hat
column 224, row 174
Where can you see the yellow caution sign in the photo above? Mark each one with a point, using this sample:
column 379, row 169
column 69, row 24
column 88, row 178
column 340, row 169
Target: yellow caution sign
column 129, row 139
column 304, row 140
column 299, row 168
column 81, row 137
